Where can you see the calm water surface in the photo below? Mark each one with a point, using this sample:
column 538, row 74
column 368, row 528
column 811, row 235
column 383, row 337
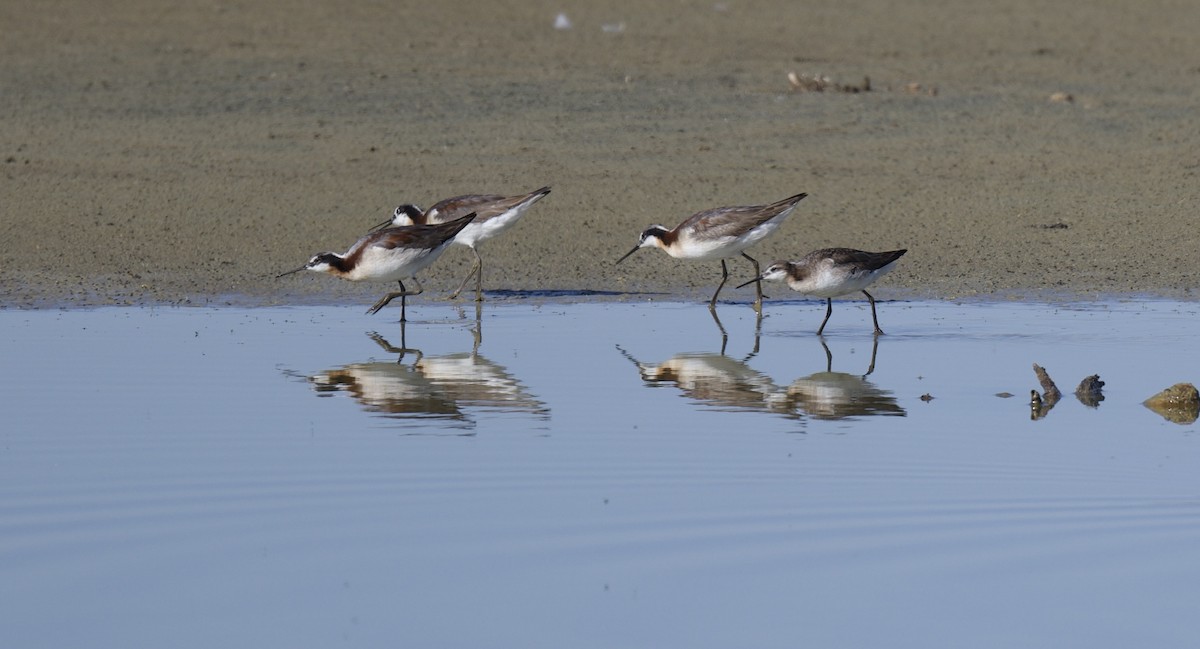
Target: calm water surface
column 597, row 475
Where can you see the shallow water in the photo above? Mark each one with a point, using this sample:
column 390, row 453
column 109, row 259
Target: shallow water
column 597, row 475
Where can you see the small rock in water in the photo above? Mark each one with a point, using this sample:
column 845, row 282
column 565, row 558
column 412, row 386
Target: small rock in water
column 1179, row 403
column 1089, row 393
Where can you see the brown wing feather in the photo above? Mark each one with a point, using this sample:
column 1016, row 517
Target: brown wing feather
column 409, row 236
column 452, row 208
column 860, row 259
column 729, row 221
column 485, row 206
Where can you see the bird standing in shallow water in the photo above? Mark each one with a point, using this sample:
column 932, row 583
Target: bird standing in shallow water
column 719, row 233
column 389, row 254
column 832, row 272
column 493, row 214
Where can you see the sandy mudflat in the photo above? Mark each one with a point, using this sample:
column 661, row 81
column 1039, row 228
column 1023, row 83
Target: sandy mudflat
column 187, row 152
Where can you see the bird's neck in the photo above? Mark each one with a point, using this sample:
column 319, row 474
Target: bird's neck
column 664, row 237
column 339, row 265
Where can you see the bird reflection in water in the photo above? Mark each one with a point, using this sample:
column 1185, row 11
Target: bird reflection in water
column 450, row 387
column 715, row 380
column 838, row 395
column 725, row 383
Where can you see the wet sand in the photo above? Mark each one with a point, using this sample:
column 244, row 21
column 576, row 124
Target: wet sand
column 185, row 154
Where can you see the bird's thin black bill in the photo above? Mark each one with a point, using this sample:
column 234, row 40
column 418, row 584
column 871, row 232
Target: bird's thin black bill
column 626, row 255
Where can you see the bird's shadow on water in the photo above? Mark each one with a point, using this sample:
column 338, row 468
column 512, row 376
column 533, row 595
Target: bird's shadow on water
column 559, row 293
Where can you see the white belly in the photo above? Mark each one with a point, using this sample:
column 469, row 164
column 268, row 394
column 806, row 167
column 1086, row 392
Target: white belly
column 834, row 282
column 477, row 232
column 393, row 265
column 710, row 249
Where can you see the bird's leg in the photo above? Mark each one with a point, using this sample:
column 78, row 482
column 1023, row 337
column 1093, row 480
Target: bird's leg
column 402, row 294
column 478, row 277
column 828, row 312
column 477, row 271
column 712, row 304
column 874, row 351
column 878, row 331
column 828, row 355
column 404, row 344
column 724, row 334
column 388, row 347
column 757, row 336
column 757, row 283
column 477, row 332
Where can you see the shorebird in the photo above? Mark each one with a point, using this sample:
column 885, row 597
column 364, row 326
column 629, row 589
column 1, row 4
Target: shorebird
column 832, row 272
column 719, row 233
column 389, row 254
column 494, row 214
